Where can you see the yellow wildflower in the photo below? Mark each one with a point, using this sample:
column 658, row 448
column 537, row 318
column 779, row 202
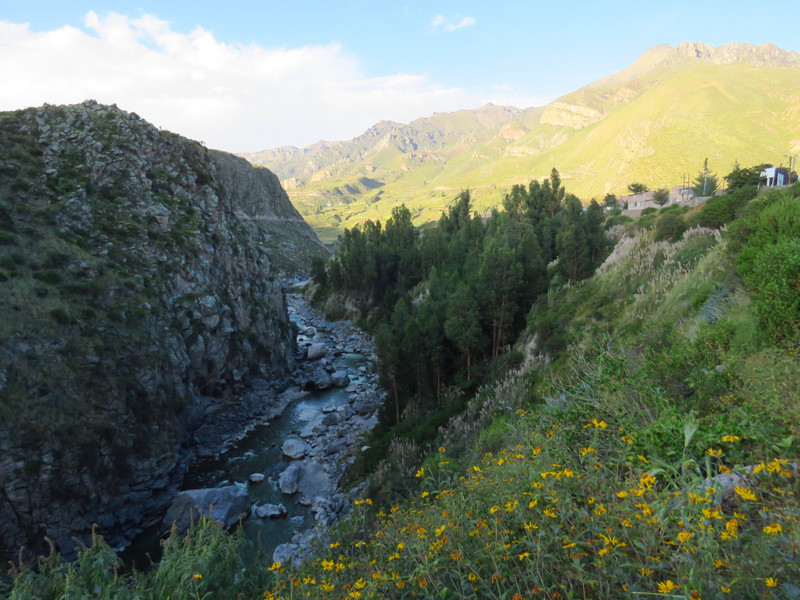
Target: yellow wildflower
column 732, row 527
column 665, row 587
column 714, row 452
column 771, row 582
column 730, row 438
column 745, row 493
column 197, row 576
column 421, row 472
column 773, row 529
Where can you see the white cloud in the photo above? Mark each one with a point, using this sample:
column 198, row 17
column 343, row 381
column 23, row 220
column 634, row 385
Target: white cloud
column 440, row 22
column 234, row 97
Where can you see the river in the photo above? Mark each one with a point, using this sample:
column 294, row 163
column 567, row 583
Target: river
column 332, row 424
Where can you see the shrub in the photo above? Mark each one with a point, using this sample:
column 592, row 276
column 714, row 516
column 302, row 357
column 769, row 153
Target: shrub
column 669, row 227
column 776, row 280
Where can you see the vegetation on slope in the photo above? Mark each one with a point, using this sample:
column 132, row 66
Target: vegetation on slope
column 654, row 454
column 655, row 122
column 447, row 303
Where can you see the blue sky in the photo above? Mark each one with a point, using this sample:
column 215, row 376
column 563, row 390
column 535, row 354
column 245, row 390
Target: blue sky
column 250, row 75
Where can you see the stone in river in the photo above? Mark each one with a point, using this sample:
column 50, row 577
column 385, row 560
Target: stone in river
column 257, row 477
column 321, row 379
column 313, row 481
column 288, row 479
column 295, row 447
column 340, row 379
column 226, row 504
column 316, row 351
column 270, row 511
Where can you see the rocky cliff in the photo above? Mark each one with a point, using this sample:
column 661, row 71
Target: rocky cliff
column 138, row 295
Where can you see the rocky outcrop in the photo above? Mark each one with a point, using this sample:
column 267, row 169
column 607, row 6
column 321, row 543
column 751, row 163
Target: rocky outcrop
column 570, row 115
column 765, row 55
column 138, row 297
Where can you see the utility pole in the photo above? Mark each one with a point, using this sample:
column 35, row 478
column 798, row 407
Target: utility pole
column 792, row 164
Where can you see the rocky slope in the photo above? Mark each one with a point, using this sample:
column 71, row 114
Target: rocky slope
column 138, row 295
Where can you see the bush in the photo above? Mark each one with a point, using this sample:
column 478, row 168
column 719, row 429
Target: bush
column 617, row 220
column 775, row 277
column 669, row 227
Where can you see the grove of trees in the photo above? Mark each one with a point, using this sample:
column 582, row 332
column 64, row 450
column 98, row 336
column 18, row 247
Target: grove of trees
column 446, row 301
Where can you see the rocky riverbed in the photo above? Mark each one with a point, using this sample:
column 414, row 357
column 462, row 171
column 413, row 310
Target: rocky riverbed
column 304, row 432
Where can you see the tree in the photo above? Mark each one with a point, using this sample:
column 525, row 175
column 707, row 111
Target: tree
column 661, row 196
column 610, row 201
column 462, row 325
column 318, row 273
column 739, row 178
column 500, row 278
column 595, row 233
column 637, row 188
column 574, row 260
column 706, row 182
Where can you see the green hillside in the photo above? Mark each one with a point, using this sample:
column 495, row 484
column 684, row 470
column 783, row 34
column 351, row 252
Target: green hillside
column 653, row 122
column 639, row 440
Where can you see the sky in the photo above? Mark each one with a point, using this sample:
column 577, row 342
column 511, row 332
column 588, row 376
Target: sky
column 244, row 76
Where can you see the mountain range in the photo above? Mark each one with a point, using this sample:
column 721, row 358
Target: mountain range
column 654, row 122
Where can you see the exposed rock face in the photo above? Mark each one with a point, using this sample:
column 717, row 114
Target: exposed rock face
column 570, row 115
column 138, row 294
column 765, row 55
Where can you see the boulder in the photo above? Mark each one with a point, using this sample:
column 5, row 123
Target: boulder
column 285, row 554
column 289, row 478
column 340, row 379
column 313, row 481
column 316, row 351
column 362, row 406
column 270, row 511
column 320, row 379
column 257, row 477
column 226, row 504
column 295, row 447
